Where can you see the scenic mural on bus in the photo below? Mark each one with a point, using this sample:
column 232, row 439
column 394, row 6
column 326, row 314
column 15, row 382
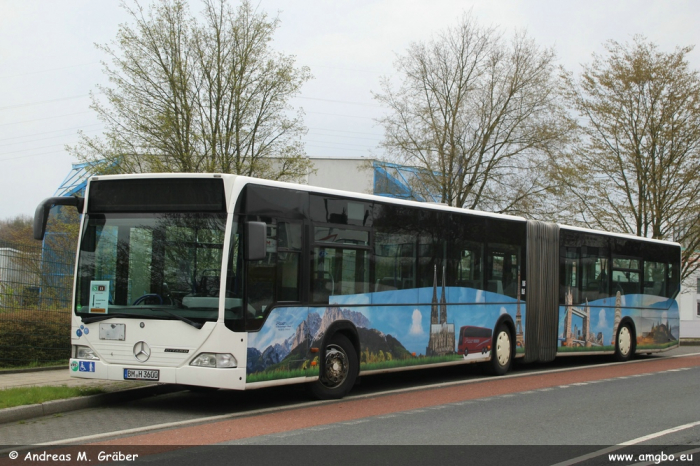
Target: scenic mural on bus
column 592, row 326
column 390, row 335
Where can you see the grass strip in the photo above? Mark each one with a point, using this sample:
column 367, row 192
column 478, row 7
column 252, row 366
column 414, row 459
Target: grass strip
column 21, row 396
column 35, row 365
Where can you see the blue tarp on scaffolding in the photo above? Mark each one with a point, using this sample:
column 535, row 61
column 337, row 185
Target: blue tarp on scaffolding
column 401, row 182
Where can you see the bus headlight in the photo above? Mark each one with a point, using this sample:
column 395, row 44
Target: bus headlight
column 85, row 352
column 214, row 360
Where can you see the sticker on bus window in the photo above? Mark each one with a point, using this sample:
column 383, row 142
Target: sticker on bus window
column 99, row 297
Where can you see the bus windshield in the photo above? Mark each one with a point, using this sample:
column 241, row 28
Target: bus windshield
column 154, row 265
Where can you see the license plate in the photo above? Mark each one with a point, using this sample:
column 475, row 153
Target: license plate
column 141, row 374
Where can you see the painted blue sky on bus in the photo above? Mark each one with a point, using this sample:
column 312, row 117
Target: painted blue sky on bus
column 410, row 324
column 647, row 311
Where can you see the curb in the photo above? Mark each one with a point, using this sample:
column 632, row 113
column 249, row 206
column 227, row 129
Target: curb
column 20, row 413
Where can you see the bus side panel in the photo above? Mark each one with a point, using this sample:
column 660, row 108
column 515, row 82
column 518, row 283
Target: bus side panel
column 391, row 335
column 280, row 349
column 592, row 327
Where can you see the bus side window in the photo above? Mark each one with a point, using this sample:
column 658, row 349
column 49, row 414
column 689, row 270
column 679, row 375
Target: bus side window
column 338, row 271
column 261, row 277
column 289, row 241
column 626, row 275
column 469, row 267
column 394, row 262
column 465, row 251
column 570, row 274
column 502, row 269
column 654, row 278
column 432, row 253
column 275, row 278
column 594, row 274
column 674, row 281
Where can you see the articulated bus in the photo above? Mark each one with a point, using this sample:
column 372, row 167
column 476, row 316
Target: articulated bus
column 238, row 283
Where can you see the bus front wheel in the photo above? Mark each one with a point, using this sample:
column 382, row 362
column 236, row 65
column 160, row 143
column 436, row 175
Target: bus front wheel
column 501, row 352
column 339, row 370
column 624, row 343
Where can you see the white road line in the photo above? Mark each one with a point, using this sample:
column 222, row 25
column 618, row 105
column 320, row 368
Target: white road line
column 660, row 434
column 620, row 446
column 319, row 428
column 204, row 420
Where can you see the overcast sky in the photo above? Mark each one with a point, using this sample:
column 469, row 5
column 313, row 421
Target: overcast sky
column 49, row 64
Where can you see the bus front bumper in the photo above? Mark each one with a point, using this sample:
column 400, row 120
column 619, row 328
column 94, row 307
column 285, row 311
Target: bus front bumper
column 227, row 378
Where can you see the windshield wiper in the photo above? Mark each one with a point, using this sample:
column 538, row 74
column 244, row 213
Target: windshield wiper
column 89, row 320
column 179, row 317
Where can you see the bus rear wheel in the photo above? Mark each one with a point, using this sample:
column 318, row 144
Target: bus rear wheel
column 501, row 352
column 339, row 370
column 624, row 343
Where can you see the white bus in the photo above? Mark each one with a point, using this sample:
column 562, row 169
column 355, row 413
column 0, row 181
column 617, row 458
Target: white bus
column 238, row 283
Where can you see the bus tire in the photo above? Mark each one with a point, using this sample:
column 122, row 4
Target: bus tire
column 624, row 343
column 339, row 371
column 501, row 352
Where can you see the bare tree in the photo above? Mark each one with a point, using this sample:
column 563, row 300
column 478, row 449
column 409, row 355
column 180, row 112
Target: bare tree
column 478, row 114
column 635, row 166
column 191, row 95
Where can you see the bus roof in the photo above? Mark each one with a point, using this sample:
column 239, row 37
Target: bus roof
column 239, row 181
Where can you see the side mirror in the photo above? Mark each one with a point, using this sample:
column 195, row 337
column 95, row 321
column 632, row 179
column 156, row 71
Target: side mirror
column 41, row 216
column 256, row 239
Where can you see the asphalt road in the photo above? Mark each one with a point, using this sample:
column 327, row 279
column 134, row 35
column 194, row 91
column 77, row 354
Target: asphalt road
column 584, row 404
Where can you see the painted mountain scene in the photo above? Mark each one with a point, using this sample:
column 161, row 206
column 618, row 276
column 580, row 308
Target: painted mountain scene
column 281, row 348
column 390, row 336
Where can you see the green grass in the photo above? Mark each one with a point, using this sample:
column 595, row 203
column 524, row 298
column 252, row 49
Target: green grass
column 584, row 349
column 32, row 395
column 419, row 361
column 658, row 345
column 575, row 349
column 281, row 374
column 313, row 371
column 35, row 364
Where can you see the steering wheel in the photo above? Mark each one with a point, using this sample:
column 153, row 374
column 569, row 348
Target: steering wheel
column 146, row 296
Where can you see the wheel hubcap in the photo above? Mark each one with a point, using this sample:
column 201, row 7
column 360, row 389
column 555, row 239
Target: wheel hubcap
column 624, row 341
column 503, row 348
column 336, row 367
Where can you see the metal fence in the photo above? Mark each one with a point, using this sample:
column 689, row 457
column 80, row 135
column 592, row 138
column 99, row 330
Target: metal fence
column 35, row 293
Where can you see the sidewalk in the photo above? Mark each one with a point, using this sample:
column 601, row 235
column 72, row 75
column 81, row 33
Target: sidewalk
column 116, row 392
column 58, row 377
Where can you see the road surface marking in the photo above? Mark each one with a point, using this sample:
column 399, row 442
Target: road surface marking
column 660, row 434
column 628, row 443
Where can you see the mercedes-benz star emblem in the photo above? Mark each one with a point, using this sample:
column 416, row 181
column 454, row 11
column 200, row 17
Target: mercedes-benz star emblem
column 142, row 351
